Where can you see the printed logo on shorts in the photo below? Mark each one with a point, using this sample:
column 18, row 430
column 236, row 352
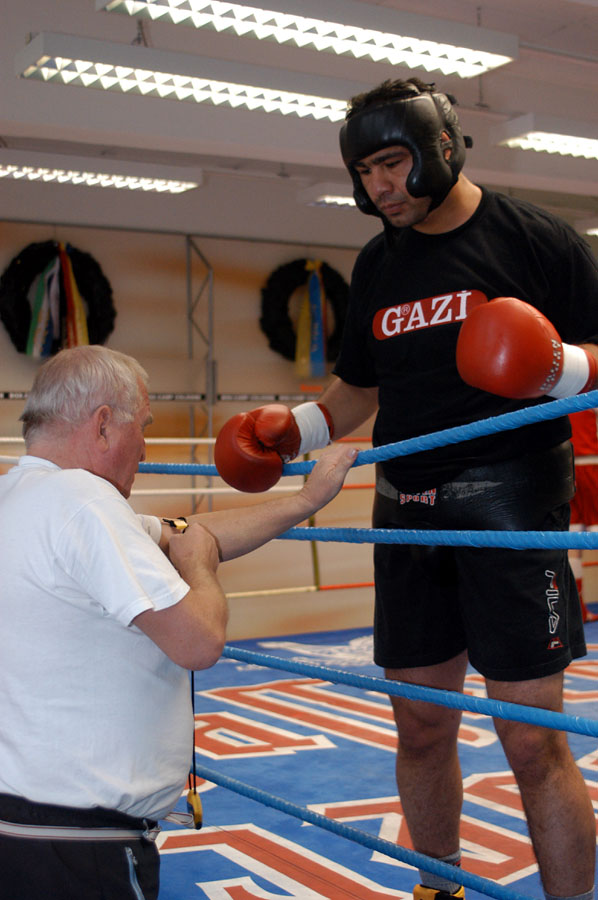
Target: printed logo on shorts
column 552, row 601
column 426, row 497
column 555, row 644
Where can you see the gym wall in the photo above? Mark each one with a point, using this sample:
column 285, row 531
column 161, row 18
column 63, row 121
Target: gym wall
column 148, row 275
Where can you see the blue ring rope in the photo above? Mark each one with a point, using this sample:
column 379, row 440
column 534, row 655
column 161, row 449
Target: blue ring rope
column 500, row 709
column 411, row 857
column 505, row 422
column 519, row 417
column 514, row 540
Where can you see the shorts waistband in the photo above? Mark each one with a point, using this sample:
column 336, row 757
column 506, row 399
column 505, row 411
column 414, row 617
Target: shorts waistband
column 20, row 817
column 547, row 468
column 64, row 833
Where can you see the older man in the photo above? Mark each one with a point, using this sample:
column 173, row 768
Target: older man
column 103, row 612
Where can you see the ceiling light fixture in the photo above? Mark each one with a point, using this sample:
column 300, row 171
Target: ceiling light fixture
column 588, row 226
column 399, row 38
column 57, row 169
column 547, row 134
column 328, row 194
column 70, row 59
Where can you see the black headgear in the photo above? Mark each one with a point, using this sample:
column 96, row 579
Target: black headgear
column 415, row 121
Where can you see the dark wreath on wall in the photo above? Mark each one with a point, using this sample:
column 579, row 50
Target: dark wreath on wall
column 82, row 296
column 276, row 322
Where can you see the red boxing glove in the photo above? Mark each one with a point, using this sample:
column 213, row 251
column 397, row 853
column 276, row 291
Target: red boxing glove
column 507, row 347
column 252, row 447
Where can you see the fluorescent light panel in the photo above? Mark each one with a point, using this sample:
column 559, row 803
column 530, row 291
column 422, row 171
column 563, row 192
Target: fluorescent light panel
column 45, row 168
column 588, row 226
column 334, row 200
column 329, row 194
column 399, row 38
column 69, row 59
column 547, row 134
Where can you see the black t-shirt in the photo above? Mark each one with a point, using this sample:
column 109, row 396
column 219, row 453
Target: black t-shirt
column 409, row 294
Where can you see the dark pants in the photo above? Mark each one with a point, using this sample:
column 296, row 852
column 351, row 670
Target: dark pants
column 39, row 869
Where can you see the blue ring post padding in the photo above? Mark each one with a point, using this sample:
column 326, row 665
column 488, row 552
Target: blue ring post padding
column 526, row 416
column 500, row 709
column 411, row 857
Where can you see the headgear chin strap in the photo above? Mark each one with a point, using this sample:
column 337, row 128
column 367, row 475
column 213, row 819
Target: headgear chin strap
column 416, row 122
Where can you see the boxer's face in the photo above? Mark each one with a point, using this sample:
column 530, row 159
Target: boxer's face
column 384, row 178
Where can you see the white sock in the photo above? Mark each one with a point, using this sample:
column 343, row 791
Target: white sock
column 438, row 882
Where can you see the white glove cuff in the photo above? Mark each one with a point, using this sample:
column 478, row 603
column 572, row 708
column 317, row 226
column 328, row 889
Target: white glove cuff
column 313, row 427
column 574, row 374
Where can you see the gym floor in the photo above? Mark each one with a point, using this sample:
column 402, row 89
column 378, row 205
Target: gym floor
column 330, row 748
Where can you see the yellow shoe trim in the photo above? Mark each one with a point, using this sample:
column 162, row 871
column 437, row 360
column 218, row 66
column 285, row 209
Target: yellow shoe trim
column 425, row 893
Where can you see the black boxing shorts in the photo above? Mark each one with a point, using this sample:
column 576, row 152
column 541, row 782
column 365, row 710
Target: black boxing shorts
column 516, row 612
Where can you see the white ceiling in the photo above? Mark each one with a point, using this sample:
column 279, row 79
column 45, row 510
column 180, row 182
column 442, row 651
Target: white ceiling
column 255, row 163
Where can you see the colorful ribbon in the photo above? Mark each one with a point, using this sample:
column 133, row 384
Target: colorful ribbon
column 58, row 317
column 317, row 308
